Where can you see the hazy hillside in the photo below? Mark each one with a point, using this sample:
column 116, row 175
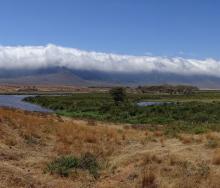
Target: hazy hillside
column 63, row 76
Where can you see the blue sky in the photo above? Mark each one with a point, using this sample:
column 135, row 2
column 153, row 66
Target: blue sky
column 188, row 28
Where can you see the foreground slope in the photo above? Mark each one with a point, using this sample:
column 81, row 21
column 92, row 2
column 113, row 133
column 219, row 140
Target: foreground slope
column 127, row 157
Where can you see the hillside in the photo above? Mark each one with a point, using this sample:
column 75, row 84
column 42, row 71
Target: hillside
column 63, row 76
column 32, row 146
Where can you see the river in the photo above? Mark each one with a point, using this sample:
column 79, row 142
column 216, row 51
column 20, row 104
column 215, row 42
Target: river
column 16, row 101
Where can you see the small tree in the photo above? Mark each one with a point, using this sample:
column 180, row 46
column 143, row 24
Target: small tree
column 118, row 94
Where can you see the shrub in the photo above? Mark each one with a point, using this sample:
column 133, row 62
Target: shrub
column 118, row 94
column 203, row 169
column 65, row 164
column 89, row 162
column 200, row 117
column 199, row 130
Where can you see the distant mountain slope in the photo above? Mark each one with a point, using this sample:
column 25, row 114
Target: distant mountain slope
column 46, row 79
column 52, row 76
column 201, row 81
column 63, row 76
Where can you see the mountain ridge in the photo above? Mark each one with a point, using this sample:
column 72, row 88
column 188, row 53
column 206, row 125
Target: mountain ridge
column 64, row 76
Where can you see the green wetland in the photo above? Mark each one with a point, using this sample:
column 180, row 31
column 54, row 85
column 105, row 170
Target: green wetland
column 197, row 113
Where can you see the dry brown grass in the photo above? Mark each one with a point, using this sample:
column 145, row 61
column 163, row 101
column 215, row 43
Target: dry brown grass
column 158, row 133
column 212, row 140
column 186, row 138
column 216, row 157
column 99, row 140
column 199, row 138
column 91, row 122
column 129, row 157
column 213, row 136
column 162, row 141
column 149, row 179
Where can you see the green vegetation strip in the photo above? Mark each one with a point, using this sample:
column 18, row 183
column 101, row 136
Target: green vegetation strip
column 196, row 113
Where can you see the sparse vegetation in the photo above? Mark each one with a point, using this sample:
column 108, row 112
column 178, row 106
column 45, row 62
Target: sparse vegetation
column 74, row 154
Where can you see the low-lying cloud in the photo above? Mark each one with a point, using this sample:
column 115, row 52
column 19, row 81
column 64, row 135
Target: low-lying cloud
column 35, row 57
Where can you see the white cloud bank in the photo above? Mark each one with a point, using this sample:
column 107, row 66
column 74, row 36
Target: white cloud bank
column 34, row 57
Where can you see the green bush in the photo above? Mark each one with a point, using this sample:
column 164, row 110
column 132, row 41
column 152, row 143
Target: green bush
column 64, row 165
column 89, row 162
column 118, row 94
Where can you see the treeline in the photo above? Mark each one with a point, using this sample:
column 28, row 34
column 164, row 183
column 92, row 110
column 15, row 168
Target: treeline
column 170, row 89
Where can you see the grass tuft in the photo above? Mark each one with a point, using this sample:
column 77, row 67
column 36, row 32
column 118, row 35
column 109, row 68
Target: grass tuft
column 64, row 165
